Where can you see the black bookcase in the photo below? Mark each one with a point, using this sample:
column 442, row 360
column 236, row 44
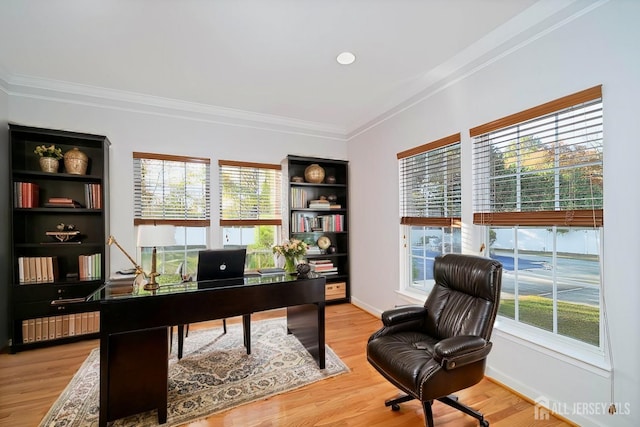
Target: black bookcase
column 46, row 306
column 310, row 220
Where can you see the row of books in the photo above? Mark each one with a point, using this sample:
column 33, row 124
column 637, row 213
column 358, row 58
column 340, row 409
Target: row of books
column 304, row 223
column 90, row 266
column 298, row 198
column 63, row 326
column 323, row 266
column 40, row 269
column 25, row 195
column 93, row 196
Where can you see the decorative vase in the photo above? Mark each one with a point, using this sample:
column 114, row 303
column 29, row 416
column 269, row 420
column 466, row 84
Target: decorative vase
column 75, row 162
column 49, row 164
column 314, row 173
column 290, row 264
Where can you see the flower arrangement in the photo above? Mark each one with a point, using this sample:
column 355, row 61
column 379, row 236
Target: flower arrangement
column 50, row 151
column 294, row 248
column 291, row 251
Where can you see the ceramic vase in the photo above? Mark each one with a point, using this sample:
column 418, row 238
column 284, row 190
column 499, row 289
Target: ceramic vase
column 75, row 162
column 49, row 164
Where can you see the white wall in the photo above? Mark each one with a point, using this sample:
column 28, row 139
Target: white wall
column 131, row 131
column 600, row 47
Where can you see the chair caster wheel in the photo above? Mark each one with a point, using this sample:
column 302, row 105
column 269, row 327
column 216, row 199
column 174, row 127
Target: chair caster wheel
column 395, row 407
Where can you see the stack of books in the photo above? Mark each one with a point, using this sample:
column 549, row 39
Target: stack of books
column 323, row 266
column 313, row 250
column 319, row 204
column 62, row 202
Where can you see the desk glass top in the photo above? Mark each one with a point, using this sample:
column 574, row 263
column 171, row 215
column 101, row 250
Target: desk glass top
column 117, row 291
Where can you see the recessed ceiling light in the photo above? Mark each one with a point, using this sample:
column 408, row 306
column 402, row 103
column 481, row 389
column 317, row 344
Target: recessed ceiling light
column 346, row 58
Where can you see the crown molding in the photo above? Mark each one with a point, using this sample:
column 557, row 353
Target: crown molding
column 537, row 21
column 59, row 91
column 540, row 19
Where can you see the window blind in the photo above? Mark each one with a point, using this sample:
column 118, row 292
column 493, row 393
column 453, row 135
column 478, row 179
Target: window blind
column 541, row 167
column 171, row 190
column 430, row 183
column 250, row 193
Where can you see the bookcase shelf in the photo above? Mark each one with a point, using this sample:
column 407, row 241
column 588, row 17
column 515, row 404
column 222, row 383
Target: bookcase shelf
column 310, row 223
column 66, row 271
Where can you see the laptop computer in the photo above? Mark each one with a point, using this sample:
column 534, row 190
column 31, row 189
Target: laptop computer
column 217, row 264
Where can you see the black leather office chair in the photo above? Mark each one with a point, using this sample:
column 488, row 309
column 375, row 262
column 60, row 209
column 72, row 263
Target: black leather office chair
column 433, row 350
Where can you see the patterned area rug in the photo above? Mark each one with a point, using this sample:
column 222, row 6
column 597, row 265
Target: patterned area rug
column 215, row 374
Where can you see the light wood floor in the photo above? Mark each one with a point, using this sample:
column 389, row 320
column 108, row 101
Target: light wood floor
column 31, row 381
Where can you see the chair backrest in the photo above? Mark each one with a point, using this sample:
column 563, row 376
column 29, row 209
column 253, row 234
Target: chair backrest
column 465, row 297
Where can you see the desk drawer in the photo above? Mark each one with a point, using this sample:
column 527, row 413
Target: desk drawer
column 335, row 290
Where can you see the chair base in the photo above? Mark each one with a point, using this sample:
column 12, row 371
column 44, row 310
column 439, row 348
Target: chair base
column 450, row 400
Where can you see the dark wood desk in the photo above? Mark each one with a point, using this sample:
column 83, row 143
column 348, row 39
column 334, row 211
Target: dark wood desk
column 134, row 331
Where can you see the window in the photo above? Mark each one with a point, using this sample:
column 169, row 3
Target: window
column 538, row 192
column 173, row 190
column 430, row 205
column 250, row 210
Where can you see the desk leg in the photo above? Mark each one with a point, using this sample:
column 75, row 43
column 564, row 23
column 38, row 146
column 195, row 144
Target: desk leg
column 246, row 327
column 306, row 322
column 134, row 374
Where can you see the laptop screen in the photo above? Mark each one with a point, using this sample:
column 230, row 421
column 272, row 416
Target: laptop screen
column 216, row 264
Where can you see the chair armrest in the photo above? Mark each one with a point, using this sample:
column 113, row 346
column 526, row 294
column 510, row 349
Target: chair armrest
column 461, row 350
column 405, row 318
column 403, row 314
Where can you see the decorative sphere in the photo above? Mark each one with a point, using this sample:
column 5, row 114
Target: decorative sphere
column 314, row 173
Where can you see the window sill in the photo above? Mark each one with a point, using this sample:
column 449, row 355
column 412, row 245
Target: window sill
column 562, row 348
column 412, row 297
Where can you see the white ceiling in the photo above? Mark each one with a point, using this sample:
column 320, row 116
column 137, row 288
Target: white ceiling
column 272, row 61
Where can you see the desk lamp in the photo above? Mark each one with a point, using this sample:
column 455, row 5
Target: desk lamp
column 154, row 236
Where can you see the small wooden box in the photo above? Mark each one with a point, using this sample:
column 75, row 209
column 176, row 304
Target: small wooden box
column 335, row 290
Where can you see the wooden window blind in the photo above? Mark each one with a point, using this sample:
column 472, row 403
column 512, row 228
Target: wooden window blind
column 171, row 190
column 250, row 193
column 543, row 166
column 430, row 183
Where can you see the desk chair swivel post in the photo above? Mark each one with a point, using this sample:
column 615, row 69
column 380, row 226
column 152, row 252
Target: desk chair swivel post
column 431, row 351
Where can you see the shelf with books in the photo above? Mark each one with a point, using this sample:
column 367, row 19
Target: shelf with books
column 59, row 230
column 320, row 210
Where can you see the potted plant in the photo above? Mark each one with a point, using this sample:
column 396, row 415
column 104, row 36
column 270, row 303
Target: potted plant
column 49, row 157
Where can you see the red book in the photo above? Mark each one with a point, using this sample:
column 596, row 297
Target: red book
column 60, row 200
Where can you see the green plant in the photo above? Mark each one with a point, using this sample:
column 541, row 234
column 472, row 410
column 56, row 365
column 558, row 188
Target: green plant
column 50, row 151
